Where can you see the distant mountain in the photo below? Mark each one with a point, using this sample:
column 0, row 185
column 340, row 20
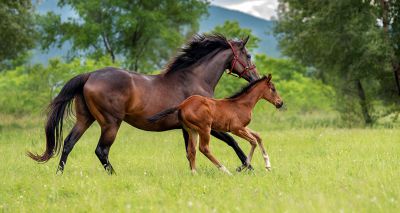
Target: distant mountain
column 217, row 16
column 260, row 27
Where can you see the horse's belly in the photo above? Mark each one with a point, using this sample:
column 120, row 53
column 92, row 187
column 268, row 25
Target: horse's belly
column 142, row 123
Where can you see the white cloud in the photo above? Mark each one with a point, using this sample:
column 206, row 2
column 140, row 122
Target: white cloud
column 264, row 9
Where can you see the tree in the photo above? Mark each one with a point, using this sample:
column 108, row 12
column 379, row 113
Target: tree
column 17, row 32
column 346, row 44
column 232, row 30
column 390, row 17
column 143, row 34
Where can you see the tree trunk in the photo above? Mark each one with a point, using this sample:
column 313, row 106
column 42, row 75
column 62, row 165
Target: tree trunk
column 385, row 15
column 396, row 70
column 386, row 23
column 363, row 103
column 108, row 47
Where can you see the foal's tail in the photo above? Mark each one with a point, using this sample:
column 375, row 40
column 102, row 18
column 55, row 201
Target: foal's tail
column 57, row 108
column 162, row 114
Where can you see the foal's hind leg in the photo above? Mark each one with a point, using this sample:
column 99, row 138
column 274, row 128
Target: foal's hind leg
column 108, row 134
column 205, row 149
column 83, row 121
column 191, row 149
column 263, row 151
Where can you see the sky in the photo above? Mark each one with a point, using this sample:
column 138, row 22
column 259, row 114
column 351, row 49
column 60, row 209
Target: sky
column 264, row 9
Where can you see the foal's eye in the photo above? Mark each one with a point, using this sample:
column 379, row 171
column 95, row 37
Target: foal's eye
column 248, row 56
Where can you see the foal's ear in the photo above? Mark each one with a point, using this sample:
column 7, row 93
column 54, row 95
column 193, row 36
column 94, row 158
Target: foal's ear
column 269, row 77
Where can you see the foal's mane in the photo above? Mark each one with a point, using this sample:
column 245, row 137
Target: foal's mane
column 247, row 88
column 199, row 46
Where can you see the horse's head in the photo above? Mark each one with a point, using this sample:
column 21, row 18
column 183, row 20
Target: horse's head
column 241, row 63
column 270, row 94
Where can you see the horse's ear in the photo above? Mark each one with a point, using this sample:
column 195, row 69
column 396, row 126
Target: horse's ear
column 269, row 77
column 245, row 40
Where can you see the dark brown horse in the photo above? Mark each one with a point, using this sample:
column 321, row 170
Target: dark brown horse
column 113, row 95
column 199, row 115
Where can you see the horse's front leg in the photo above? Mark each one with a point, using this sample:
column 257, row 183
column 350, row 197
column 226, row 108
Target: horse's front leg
column 225, row 137
column 246, row 134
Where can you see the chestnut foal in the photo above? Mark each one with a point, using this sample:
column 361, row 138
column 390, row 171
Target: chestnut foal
column 199, row 115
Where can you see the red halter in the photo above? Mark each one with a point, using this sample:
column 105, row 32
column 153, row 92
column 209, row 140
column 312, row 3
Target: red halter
column 237, row 59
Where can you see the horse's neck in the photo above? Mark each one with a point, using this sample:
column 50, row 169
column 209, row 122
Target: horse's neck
column 210, row 70
column 251, row 98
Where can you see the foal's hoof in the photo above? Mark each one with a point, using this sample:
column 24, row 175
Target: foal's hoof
column 225, row 170
column 244, row 167
column 268, row 169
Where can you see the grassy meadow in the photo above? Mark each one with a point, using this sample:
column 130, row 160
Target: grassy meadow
column 314, row 170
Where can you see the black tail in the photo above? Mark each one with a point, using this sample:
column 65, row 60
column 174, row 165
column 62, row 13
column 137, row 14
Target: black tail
column 162, row 115
column 55, row 115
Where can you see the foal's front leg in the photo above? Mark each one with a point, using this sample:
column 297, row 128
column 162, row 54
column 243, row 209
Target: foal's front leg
column 246, row 134
column 263, row 151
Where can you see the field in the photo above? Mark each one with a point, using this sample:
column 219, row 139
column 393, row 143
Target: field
column 314, row 170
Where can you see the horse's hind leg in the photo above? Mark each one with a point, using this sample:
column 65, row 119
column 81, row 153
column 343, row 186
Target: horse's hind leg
column 108, row 134
column 186, row 139
column 83, row 121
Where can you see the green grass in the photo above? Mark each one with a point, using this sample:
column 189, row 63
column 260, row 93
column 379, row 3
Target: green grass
column 314, row 170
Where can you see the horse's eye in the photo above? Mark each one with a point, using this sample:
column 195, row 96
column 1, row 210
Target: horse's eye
column 248, row 56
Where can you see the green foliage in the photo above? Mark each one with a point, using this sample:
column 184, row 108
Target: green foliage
column 343, row 41
column 28, row 89
column 232, row 30
column 143, row 34
column 17, row 31
column 299, row 92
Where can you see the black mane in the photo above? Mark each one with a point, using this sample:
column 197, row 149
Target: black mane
column 246, row 88
column 198, row 47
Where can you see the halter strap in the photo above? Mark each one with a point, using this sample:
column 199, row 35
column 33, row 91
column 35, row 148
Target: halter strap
column 237, row 59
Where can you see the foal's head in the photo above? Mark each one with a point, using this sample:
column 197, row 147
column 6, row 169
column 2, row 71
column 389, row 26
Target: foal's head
column 270, row 94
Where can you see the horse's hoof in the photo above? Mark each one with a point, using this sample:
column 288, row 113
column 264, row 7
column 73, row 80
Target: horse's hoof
column 268, row 169
column 194, row 172
column 110, row 170
column 60, row 170
column 244, row 167
column 240, row 168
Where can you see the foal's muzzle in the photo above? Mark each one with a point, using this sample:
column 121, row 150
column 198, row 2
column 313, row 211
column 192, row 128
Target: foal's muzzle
column 279, row 104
